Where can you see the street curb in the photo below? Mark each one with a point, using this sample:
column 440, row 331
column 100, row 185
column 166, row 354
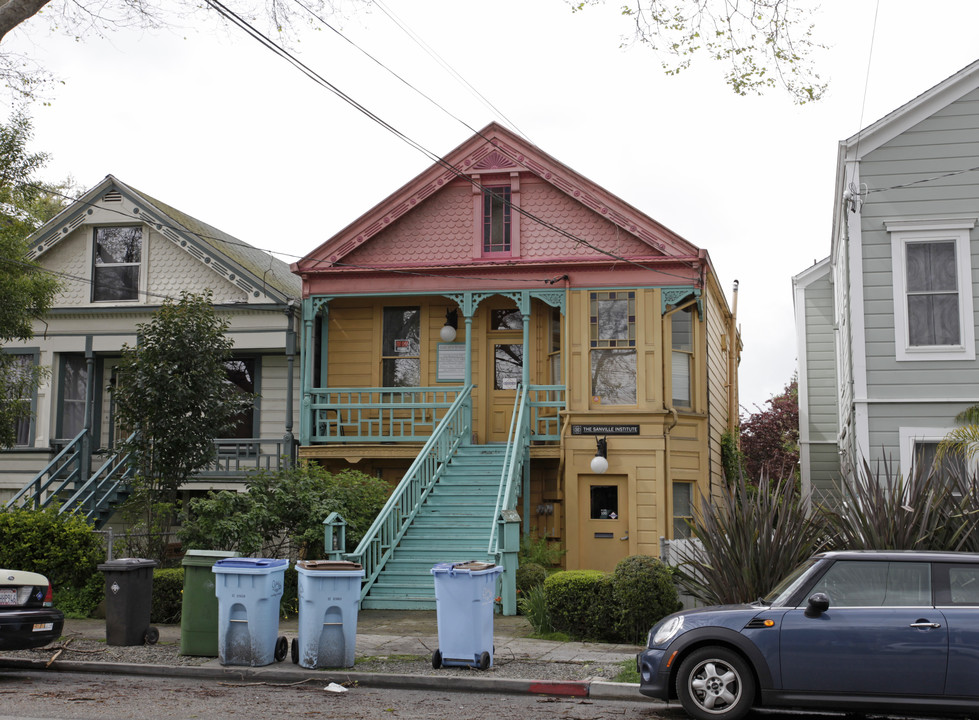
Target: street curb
column 293, row 674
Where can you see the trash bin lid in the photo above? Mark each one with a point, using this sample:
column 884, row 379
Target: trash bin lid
column 206, row 558
column 472, row 567
column 245, row 565
column 329, row 565
column 127, row 564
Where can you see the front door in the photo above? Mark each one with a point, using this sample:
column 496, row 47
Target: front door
column 504, row 342
column 603, row 516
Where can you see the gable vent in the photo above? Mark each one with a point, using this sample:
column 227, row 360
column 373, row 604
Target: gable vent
column 112, row 196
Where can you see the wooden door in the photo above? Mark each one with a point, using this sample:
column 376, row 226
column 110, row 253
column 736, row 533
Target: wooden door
column 603, row 520
column 504, row 371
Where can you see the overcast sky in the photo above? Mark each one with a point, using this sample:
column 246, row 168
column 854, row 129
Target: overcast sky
column 207, row 120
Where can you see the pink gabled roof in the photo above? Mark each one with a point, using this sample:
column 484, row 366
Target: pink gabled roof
column 576, row 208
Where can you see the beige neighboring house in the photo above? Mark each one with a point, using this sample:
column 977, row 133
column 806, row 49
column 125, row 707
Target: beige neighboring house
column 119, row 253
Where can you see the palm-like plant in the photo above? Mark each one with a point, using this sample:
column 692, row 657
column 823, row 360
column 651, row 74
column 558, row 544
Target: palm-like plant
column 963, row 440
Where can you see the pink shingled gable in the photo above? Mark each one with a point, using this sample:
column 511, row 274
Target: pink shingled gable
column 440, row 232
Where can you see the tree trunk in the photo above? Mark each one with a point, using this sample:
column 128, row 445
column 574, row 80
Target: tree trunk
column 14, row 12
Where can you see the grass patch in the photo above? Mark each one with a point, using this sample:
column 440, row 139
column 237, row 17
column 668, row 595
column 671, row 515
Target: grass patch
column 629, row 673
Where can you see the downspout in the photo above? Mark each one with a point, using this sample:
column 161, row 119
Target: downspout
column 289, row 439
column 85, row 468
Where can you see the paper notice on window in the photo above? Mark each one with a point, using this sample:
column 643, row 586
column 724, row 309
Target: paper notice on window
column 402, row 346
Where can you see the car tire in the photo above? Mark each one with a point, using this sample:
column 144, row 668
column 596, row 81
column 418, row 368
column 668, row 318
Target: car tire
column 715, row 683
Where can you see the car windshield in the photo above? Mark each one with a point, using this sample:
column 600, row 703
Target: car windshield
column 780, row 595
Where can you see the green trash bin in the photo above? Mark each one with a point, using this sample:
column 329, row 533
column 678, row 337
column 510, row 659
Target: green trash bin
column 199, row 606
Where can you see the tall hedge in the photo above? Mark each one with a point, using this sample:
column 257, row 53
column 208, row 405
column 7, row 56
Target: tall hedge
column 61, row 547
column 579, row 603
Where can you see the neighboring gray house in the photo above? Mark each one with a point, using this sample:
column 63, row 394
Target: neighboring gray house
column 119, row 253
column 886, row 325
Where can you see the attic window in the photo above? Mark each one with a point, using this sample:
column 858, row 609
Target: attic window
column 115, row 271
column 112, row 196
column 496, row 219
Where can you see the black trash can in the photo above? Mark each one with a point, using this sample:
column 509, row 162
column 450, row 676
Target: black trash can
column 128, row 601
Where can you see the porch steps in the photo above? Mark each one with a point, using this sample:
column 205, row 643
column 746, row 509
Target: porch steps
column 453, row 525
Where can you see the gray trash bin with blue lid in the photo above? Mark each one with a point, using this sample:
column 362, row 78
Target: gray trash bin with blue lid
column 464, row 597
column 329, row 598
column 248, row 592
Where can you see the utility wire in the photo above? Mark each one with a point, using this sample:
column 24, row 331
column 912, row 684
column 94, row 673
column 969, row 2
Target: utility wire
column 318, row 79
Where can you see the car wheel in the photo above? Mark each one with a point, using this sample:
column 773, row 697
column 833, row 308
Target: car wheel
column 715, row 683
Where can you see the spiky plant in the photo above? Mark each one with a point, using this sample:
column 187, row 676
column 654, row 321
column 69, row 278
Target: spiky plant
column 747, row 539
column 884, row 510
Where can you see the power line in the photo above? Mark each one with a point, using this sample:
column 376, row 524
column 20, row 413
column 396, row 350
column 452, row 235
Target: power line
column 320, row 80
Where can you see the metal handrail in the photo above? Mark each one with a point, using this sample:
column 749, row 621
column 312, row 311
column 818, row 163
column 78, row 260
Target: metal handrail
column 398, row 512
column 513, row 460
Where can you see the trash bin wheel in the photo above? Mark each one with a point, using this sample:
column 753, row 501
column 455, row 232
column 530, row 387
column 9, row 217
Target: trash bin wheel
column 281, row 649
column 484, row 660
column 152, row 636
column 437, row 659
column 295, row 651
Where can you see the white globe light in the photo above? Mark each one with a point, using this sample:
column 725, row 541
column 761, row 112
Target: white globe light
column 447, row 333
column 599, row 464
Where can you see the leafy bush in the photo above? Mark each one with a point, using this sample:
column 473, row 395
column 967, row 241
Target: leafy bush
column 61, row 547
column 168, row 592
column 579, row 602
column 643, row 592
column 281, row 514
column 540, row 551
column 80, row 602
column 289, row 604
column 529, row 576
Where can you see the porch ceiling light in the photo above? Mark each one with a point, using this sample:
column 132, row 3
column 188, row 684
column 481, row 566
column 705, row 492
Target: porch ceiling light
column 599, row 463
column 448, row 331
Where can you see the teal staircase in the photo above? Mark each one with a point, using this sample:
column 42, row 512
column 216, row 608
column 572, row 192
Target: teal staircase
column 453, row 524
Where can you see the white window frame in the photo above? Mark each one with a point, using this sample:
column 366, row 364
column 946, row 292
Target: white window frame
column 911, row 435
column 911, row 231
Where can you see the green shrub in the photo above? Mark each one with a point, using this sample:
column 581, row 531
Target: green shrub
column 168, row 594
column 289, row 604
column 282, row 512
column 643, row 592
column 61, row 547
column 579, row 602
column 533, row 605
column 540, row 551
column 529, row 576
column 79, row 603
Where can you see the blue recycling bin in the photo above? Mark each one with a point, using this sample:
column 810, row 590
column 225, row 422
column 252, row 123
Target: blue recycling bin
column 329, row 598
column 464, row 595
column 248, row 592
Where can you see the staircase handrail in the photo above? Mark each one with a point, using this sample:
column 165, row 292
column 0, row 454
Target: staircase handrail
column 96, row 494
column 53, row 471
column 395, row 517
column 513, row 460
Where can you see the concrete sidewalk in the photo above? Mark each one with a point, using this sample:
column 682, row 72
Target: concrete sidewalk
column 389, row 633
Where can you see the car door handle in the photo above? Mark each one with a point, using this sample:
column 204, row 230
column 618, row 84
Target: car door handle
column 925, row 624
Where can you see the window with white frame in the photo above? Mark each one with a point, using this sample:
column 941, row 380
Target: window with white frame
column 21, row 399
column 932, row 280
column 919, row 452
column 613, row 347
column 115, row 273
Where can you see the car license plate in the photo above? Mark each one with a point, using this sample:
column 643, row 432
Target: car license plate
column 41, row 627
column 8, row 596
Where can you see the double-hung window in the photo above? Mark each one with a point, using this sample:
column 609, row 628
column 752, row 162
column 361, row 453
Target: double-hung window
column 19, row 377
column 115, row 272
column 932, row 280
column 681, row 333
column 613, row 348
column 496, row 220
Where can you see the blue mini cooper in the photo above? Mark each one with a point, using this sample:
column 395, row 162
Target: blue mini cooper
column 853, row 631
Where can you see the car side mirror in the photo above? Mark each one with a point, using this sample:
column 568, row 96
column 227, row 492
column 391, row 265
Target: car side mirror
column 818, row 604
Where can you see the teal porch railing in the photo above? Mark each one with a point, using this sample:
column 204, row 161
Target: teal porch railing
column 65, row 470
column 389, row 526
column 237, row 457
column 107, row 487
column 545, row 404
column 379, row 414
